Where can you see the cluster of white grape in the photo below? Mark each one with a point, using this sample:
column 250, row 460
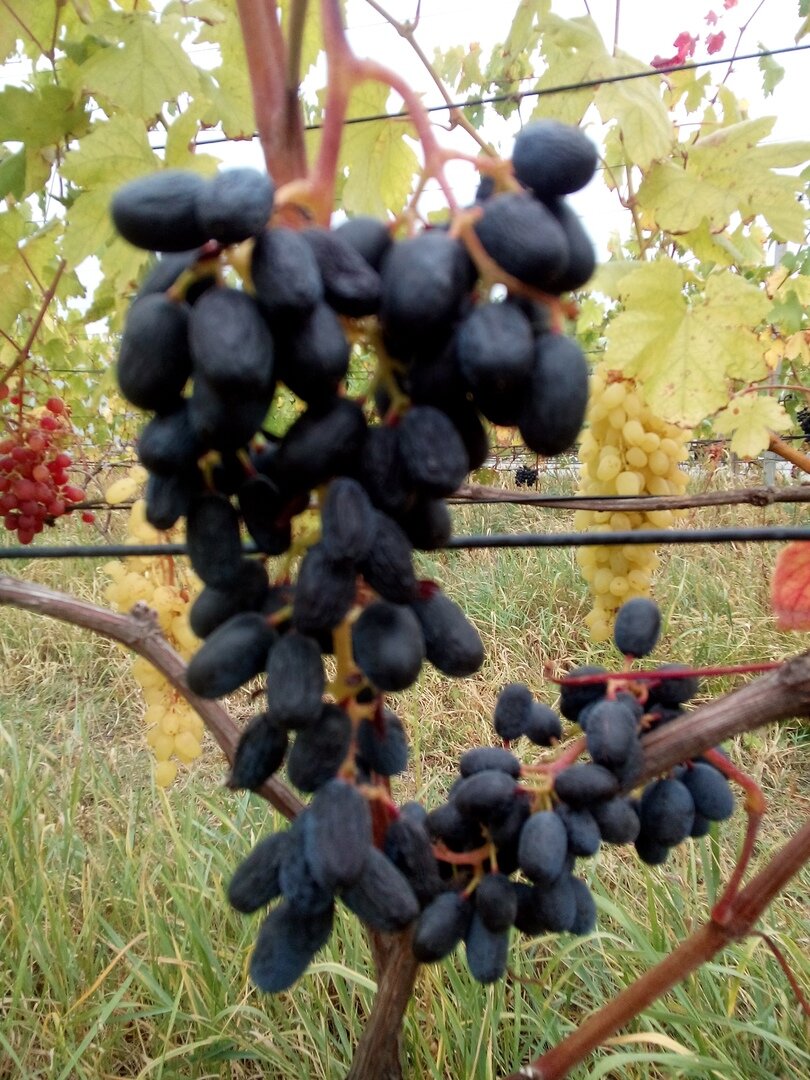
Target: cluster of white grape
column 174, row 731
column 626, row 450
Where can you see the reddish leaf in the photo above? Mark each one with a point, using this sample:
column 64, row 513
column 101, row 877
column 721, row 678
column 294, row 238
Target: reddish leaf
column 714, row 42
column 711, row 19
column 790, row 587
column 685, row 44
column 728, row 4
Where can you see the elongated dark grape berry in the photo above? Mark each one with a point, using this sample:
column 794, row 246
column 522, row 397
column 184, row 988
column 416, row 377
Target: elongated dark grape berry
column 553, row 158
column 259, row 753
column 213, row 607
column 260, row 504
column 424, row 280
column 168, row 444
column 457, row 830
column 543, row 725
column 557, row 396
column 298, row 883
column 231, row 342
column 285, row 275
column 617, row 819
column 584, row 837
column 426, row 523
column 611, row 732
column 367, row 235
column 382, row 744
column 573, row 699
column 352, row 286
column 388, row 645
column 671, row 692
column 337, row 834
column 432, row 451
column 637, row 626
column 496, row 902
column 168, row 498
column 388, row 566
column 581, row 784
column 159, row 212
column 214, row 545
column 324, row 592
column 495, row 348
column 524, row 237
column 154, row 362
column 667, row 812
column 488, row 757
column 441, row 926
column 452, row 643
column 235, row 204
column 325, row 441
column 543, row 847
column 381, row 896
column 486, row 796
column 347, row 520
column 256, row 880
column 581, row 254
column 313, row 355
column 295, row 681
column 486, row 951
column 408, row 847
column 710, row 791
column 512, row 710
column 286, row 944
column 585, row 919
column 231, row 655
column 320, row 750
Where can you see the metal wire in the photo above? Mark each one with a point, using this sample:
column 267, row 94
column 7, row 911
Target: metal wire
column 758, row 534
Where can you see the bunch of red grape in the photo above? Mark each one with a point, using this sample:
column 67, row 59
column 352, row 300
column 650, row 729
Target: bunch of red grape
column 35, row 487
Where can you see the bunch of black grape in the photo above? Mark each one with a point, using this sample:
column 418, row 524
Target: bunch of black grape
column 207, row 356
column 513, row 833
column 803, row 418
column 525, row 476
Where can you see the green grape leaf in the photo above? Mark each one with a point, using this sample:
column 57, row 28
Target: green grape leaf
column 180, row 151
column 380, row 163
column 89, row 225
column 42, row 116
column 647, row 130
column 685, row 348
column 574, row 53
column 772, row 73
column 749, row 419
column 227, row 86
column 142, row 68
column 113, row 153
column 687, row 86
column 727, row 172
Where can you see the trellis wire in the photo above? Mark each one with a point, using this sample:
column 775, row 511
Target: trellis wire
column 756, row 534
column 562, row 88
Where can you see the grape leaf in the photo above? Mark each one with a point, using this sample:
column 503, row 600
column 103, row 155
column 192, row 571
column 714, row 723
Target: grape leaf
column 142, row 68
column 227, row 86
column 750, row 419
column 683, row 344
column 39, row 117
column 647, row 130
column 790, row 587
column 728, row 172
column 114, row 152
column 772, row 73
column 381, row 165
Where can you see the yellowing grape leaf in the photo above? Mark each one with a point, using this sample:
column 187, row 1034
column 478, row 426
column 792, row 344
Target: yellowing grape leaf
column 180, row 150
column 790, row 587
column 40, row 117
column 749, row 420
column 227, row 86
column 380, row 163
column 647, row 130
column 142, row 68
column 684, row 348
column 113, row 153
column 725, row 172
column 574, row 52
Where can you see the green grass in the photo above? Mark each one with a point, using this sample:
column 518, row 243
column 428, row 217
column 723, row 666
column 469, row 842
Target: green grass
column 120, row 958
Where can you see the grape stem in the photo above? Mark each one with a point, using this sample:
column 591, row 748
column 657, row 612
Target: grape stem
column 345, row 72
column 25, row 351
column 789, row 453
column 656, row 676
column 699, row 948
